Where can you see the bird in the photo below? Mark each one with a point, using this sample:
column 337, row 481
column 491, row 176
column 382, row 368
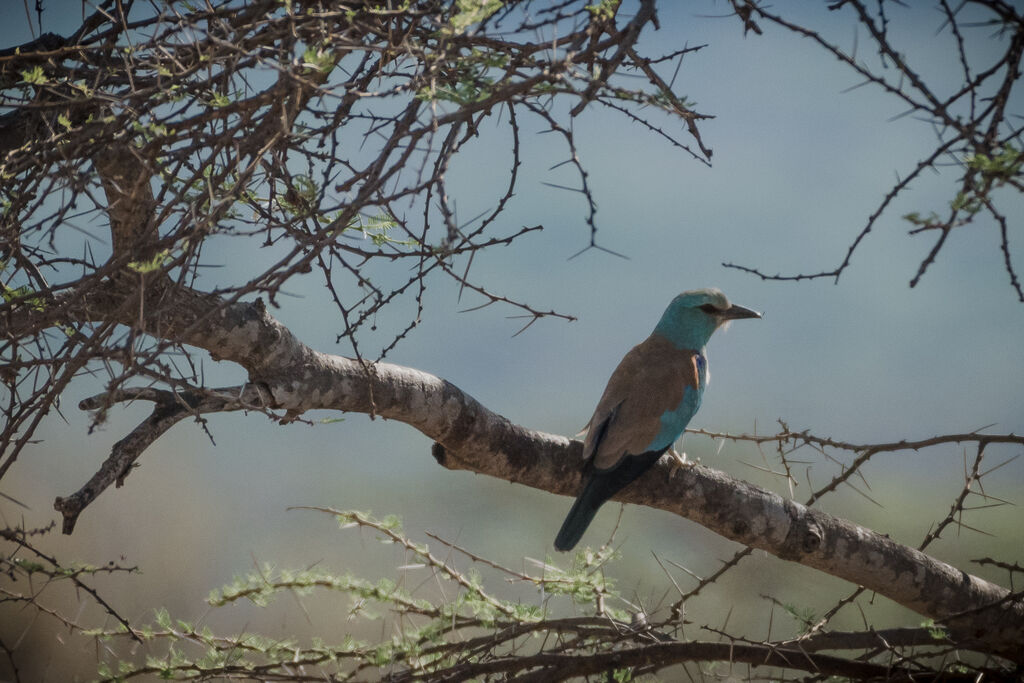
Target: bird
column 650, row 398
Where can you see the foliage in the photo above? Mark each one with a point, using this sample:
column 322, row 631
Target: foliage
column 282, row 123
column 442, row 620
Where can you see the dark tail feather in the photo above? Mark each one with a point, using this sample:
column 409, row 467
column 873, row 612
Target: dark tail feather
column 602, row 485
column 580, row 516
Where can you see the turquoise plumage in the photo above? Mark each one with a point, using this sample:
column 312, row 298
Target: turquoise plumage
column 649, row 400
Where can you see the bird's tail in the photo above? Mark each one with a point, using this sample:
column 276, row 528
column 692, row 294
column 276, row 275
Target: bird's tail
column 602, row 485
column 580, row 515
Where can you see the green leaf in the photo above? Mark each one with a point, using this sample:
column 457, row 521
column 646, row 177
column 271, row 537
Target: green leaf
column 156, row 263
column 935, row 631
column 622, row 675
column 804, row 615
column 162, row 618
column 219, row 99
column 469, row 12
column 27, row 566
column 34, row 76
column 320, row 59
column 1004, row 165
column 604, row 9
column 22, row 294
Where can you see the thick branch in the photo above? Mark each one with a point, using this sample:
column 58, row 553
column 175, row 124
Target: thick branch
column 130, row 203
column 560, row 667
column 471, row 437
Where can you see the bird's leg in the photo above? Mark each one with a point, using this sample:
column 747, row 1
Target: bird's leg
column 678, row 461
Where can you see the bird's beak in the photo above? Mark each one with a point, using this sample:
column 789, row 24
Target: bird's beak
column 735, row 312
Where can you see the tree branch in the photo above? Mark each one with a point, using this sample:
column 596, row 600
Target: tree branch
column 169, row 409
column 559, row 667
column 471, row 437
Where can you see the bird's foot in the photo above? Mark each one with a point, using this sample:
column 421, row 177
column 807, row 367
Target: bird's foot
column 679, row 461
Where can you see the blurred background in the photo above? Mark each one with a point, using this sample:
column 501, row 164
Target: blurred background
column 802, row 157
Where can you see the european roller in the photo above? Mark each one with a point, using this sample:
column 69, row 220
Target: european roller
column 648, row 402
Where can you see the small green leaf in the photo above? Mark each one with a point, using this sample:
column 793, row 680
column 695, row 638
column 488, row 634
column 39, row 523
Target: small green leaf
column 34, row 76
column 935, row 631
column 319, row 59
column 604, row 9
column 219, row 99
column 162, row 618
column 469, row 12
column 156, row 263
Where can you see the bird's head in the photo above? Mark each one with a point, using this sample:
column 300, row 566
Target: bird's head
column 692, row 317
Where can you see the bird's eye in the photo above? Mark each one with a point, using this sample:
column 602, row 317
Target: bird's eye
column 709, row 309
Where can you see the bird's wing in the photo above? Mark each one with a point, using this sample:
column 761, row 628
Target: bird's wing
column 650, row 381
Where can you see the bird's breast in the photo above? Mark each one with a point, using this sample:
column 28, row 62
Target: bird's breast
column 673, row 422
